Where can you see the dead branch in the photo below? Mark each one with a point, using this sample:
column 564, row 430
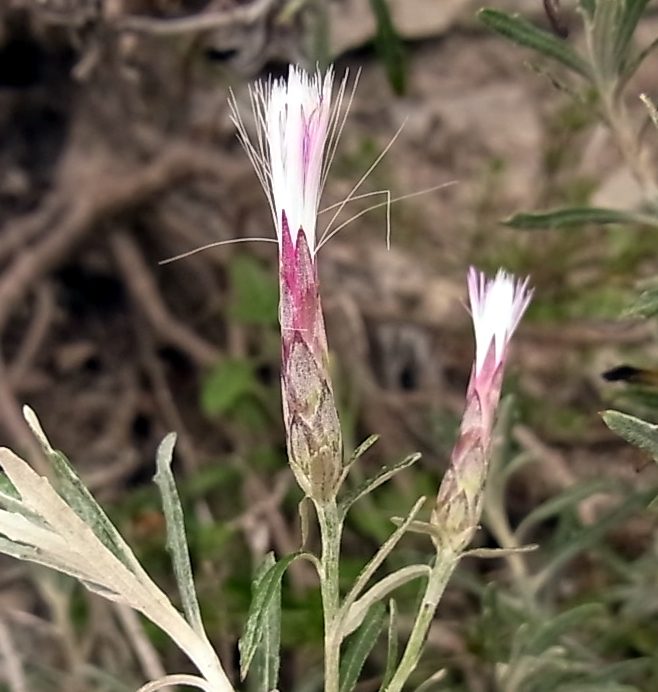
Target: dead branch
column 144, row 291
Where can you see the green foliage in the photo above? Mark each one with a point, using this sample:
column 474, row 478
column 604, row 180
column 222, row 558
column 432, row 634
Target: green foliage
column 638, row 432
column 254, row 292
column 266, row 600
column 525, row 34
column 360, row 645
column 389, row 47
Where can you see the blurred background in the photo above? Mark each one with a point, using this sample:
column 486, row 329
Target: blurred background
column 117, row 152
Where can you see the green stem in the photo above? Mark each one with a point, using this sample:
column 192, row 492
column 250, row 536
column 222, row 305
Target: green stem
column 442, row 570
column 331, row 527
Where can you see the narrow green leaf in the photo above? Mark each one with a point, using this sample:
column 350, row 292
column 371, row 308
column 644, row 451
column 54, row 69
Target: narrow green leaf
column 74, row 492
column 377, row 560
column 389, row 46
column 550, row 633
column 634, row 63
column 176, row 538
column 76, row 495
column 638, row 432
column 433, row 680
column 577, row 216
column 592, row 535
column 569, row 498
column 645, row 305
column 363, row 448
column 370, row 484
column 386, row 585
column 632, row 13
column 526, row 34
column 264, row 673
column 392, row 645
column 360, row 646
column 264, row 591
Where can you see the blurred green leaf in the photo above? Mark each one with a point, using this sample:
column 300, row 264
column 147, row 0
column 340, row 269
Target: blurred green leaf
column 360, row 645
column 254, row 292
column 570, row 498
column 645, row 305
column 526, row 34
column 551, row 632
column 578, row 216
column 176, row 538
column 638, row 432
column 587, row 6
column 389, row 46
column 632, row 11
column 592, row 534
column 226, row 384
column 264, row 674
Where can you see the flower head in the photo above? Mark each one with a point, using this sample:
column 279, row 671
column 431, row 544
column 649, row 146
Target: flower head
column 497, row 306
column 295, row 123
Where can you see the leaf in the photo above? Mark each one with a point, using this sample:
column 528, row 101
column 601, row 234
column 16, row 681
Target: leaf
column 525, row 34
column 550, row 633
column 370, row 484
column 379, row 591
column 645, row 305
column 265, row 667
column 176, row 539
column 389, row 46
column 569, row 498
column 577, row 216
column 377, row 560
column 360, row 646
column 73, row 491
column 591, row 535
column 254, row 292
column 265, row 589
column 362, row 449
column 392, row 645
column 227, row 383
column 632, row 13
column 638, row 432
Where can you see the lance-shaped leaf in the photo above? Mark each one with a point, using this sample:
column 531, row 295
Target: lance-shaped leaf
column 176, row 539
column 370, row 484
column 265, row 589
column 525, row 34
column 264, row 672
column 392, row 645
column 578, row 216
column 645, row 305
column 360, row 647
column 638, row 432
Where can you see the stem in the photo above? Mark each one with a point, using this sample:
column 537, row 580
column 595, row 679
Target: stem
column 331, row 527
column 442, row 570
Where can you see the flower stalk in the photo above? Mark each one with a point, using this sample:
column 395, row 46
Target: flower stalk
column 497, row 307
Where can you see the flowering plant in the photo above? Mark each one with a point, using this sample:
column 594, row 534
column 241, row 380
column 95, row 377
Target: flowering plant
column 60, row 525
